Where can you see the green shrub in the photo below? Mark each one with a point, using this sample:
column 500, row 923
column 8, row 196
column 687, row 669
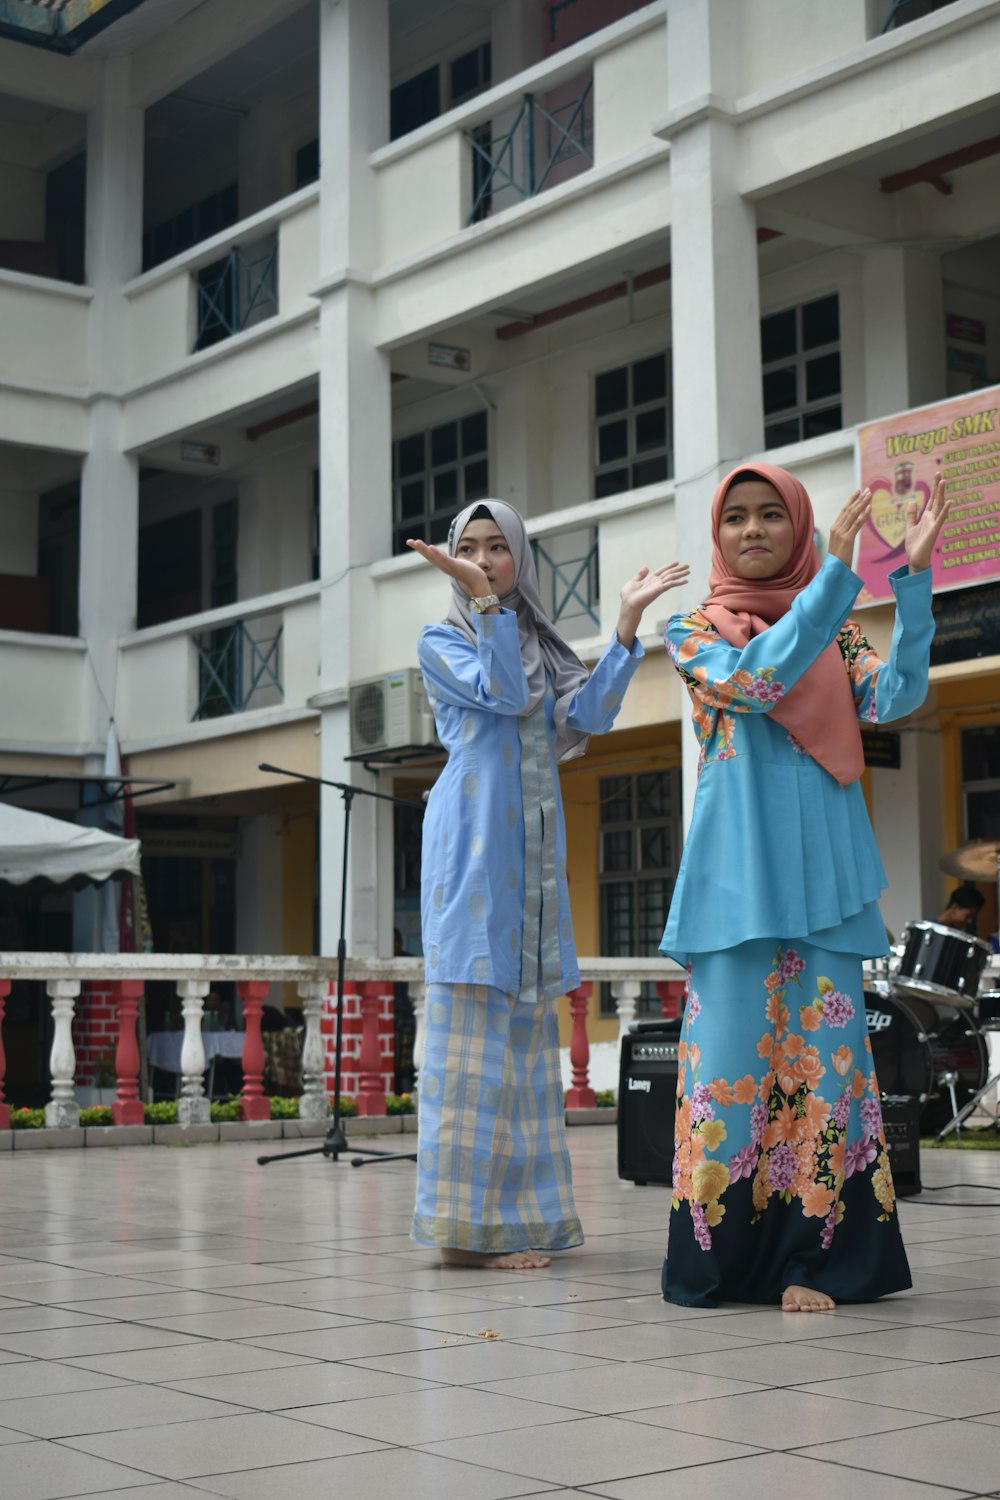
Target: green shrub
column 400, row 1104
column 606, row 1098
column 224, row 1109
column 27, row 1119
column 164, row 1113
column 97, row 1114
column 282, row 1108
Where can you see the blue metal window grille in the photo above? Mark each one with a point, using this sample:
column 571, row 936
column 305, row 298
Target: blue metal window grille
column 524, row 157
column 236, row 291
column 570, row 585
column 237, row 670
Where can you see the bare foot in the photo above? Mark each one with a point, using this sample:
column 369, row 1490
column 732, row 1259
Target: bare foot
column 512, row 1260
column 804, row 1299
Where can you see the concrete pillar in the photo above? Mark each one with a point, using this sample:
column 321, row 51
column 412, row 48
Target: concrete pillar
column 718, row 409
column 903, row 329
column 109, row 481
column 355, row 431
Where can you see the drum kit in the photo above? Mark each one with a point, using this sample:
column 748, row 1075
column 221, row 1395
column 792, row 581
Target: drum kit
column 930, row 1010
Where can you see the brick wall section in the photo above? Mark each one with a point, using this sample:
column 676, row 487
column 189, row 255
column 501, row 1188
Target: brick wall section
column 349, row 1077
column 95, row 1026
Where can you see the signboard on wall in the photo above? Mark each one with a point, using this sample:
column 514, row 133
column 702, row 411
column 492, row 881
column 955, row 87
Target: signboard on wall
column 898, row 458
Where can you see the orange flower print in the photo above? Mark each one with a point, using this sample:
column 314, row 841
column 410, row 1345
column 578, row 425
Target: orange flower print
column 817, row 1114
column 816, row 1201
column 765, row 1045
column 714, row 1213
column 682, row 1051
column 785, row 1126
column 836, row 1157
column 860, row 1084
column 721, row 1091
column 683, row 1119
column 745, row 1089
column 810, row 1067
column 773, row 982
column 843, row 1059
column 809, row 1018
column 694, row 1054
column 792, row 1044
column 709, row 1180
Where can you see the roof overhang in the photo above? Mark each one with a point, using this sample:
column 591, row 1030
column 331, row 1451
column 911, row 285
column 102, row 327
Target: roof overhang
column 59, row 25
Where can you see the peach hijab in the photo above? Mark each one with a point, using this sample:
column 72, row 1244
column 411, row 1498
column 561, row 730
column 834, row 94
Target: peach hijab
column 819, row 710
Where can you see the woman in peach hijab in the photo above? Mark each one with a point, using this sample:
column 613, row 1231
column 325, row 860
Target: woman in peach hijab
column 782, row 1186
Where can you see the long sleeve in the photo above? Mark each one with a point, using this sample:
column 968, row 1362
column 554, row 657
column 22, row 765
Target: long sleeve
column 755, row 677
column 596, row 703
column 886, row 690
column 489, row 674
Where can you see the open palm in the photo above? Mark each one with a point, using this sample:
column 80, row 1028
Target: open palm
column 922, row 532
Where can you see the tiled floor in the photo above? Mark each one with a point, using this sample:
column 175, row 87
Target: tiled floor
column 181, row 1322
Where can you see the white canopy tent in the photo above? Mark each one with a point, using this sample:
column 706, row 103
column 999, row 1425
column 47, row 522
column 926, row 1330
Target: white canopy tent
column 34, row 847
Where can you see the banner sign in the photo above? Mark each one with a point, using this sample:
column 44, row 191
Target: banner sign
column 898, row 458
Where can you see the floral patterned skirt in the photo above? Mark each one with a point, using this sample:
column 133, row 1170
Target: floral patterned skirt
column 781, row 1175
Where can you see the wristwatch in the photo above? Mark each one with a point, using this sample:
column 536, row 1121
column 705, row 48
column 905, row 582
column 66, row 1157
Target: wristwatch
column 483, row 603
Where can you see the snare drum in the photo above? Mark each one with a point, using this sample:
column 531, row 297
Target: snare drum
column 916, row 1041
column 939, row 962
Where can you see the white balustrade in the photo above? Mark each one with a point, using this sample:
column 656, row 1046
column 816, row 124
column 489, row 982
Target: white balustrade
column 313, row 1102
column 192, row 1106
column 62, row 1111
column 418, row 995
column 625, row 993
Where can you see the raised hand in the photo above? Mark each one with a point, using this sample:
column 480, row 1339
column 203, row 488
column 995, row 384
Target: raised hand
column 469, row 574
column 923, row 533
column 844, row 531
column 641, row 590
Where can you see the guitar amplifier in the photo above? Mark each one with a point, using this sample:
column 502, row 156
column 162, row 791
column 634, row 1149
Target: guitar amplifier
column 647, row 1099
column 901, row 1123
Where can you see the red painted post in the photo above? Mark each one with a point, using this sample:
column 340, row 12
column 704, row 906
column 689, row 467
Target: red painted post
column 581, row 1095
column 253, row 1104
column 371, row 1088
column 671, row 993
column 4, row 1108
column 128, row 1107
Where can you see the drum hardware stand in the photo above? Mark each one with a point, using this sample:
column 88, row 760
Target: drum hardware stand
column 336, row 1143
column 962, row 1114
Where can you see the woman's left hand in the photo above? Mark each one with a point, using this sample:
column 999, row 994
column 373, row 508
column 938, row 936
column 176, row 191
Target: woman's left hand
column 923, row 533
column 639, row 592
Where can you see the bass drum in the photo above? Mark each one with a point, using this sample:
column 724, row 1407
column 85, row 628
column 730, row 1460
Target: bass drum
column 915, row 1043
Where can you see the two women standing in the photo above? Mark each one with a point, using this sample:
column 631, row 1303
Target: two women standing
column 782, row 1188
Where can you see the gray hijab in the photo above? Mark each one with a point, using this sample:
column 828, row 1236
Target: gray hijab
column 543, row 650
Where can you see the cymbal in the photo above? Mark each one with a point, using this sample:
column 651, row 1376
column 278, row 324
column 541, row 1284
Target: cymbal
column 977, row 860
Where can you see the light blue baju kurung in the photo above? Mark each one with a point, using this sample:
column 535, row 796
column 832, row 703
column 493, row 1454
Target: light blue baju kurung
column 781, row 1175
column 493, row 1171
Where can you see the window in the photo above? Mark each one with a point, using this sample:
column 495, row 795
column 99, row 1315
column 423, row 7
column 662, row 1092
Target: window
column 639, row 855
column 214, row 213
column 435, row 474
column 888, row 14
column 800, row 356
column 981, row 781
column 632, row 433
column 419, row 99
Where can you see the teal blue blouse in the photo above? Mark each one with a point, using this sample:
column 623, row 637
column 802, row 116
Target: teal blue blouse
column 777, row 847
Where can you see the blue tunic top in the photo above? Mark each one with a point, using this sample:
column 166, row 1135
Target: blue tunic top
column 777, row 847
column 494, row 898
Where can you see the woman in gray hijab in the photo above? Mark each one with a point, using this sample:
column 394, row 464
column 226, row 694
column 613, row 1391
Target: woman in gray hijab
column 511, row 699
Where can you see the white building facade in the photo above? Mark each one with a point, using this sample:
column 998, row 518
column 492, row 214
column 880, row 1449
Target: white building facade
column 282, row 283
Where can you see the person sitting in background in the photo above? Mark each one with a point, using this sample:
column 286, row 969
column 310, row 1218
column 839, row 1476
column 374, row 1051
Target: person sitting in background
column 962, row 911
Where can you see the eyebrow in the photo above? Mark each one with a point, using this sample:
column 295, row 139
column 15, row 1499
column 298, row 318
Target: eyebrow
column 494, row 536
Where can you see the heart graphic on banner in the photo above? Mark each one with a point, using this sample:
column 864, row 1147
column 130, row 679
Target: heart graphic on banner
column 888, row 517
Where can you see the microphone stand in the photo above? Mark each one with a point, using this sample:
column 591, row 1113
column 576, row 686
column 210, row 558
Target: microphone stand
column 336, row 1143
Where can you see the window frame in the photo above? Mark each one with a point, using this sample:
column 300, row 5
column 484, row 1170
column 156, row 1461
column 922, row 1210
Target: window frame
column 629, row 413
column 428, row 523
column 802, row 408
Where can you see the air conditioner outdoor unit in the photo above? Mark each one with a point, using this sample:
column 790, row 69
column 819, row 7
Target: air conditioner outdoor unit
column 389, row 713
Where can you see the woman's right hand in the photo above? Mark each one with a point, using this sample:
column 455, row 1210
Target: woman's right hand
column 467, row 574
column 844, row 531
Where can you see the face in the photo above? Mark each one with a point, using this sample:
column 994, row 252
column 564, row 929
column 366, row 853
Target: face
column 483, row 543
column 756, row 536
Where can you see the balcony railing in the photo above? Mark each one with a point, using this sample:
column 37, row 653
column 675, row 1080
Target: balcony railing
column 236, row 292
column 548, row 141
column 238, row 670
column 570, row 584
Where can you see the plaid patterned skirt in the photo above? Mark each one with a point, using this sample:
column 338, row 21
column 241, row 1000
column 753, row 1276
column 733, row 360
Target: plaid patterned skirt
column 493, row 1171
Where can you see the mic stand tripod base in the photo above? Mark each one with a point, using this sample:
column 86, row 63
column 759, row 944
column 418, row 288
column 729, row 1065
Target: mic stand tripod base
column 335, row 1145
